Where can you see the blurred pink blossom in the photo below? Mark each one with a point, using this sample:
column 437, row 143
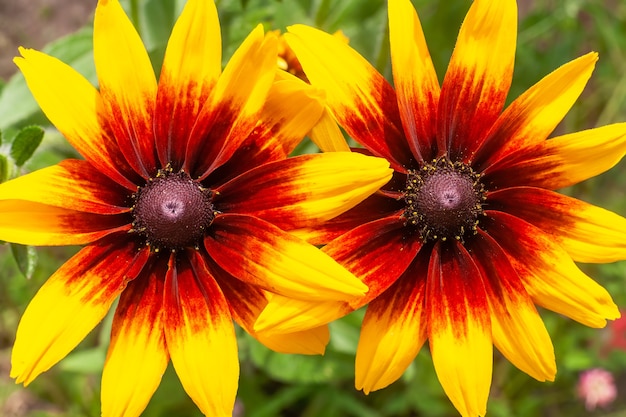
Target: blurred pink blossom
column 597, row 388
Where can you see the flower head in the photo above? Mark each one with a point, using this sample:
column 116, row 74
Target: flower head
column 597, row 388
column 468, row 236
column 182, row 201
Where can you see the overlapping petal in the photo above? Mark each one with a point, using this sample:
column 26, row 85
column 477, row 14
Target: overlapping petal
column 191, row 68
column 393, row 330
column 376, row 252
column 247, row 302
column 362, row 101
column 304, row 190
column 76, row 109
column 459, row 328
column 137, row 355
column 71, row 303
column 588, row 233
column 200, row 335
column 327, row 135
column 562, row 161
column 127, row 84
column 549, row 274
column 418, row 89
column 229, row 117
column 478, row 78
column 261, row 254
column 533, row 116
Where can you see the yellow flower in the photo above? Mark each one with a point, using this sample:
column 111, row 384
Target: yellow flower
column 468, row 236
column 182, row 201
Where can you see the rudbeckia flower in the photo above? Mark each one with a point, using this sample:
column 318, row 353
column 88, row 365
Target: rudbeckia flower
column 469, row 235
column 182, row 201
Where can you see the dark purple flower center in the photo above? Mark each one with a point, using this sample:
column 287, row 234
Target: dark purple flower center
column 444, row 200
column 172, row 211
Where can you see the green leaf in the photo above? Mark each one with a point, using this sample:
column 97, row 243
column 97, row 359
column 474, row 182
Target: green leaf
column 26, row 258
column 4, row 168
column 88, row 361
column 25, row 144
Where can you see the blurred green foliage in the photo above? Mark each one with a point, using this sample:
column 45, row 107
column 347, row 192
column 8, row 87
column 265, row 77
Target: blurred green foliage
column 550, row 34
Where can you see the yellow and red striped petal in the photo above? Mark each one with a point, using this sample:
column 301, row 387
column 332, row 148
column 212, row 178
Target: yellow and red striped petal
column 38, row 224
column 518, row 331
column 72, row 184
column 562, row 161
column 200, row 335
column 75, row 108
column 127, row 85
column 372, row 208
column 549, row 274
column 229, row 117
column 393, row 331
column 261, row 254
column 70, row 304
column 247, row 302
column 191, row 68
column 281, row 126
column 415, row 79
column 137, row 355
column 535, row 114
column 478, row 78
column 377, row 253
column 360, row 98
column 459, row 328
column 587, row 233
column 304, row 190
column 327, row 135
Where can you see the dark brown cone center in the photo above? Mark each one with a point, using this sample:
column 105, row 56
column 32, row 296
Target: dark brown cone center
column 444, row 200
column 172, row 211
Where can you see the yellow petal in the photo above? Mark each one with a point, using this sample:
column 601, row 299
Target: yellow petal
column 518, row 331
column 137, row 355
column 535, row 114
column 127, row 84
column 305, row 190
column 38, row 224
column 292, row 108
column 392, row 334
column 235, row 105
column 327, row 135
column 72, row 184
column 587, row 233
column 75, row 108
column 191, row 67
column 359, row 97
column 305, row 342
column 459, row 328
column 200, row 335
column 246, row 303
column 478, row 78
column 549, row 274
column 415, row 79
column 289, row 315
column 564, row 160
column 71, row 303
